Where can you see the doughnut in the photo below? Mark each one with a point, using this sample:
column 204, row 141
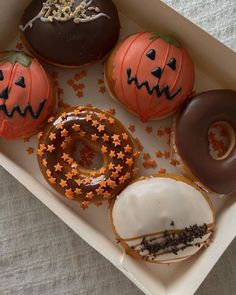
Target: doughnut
column 163, row 218
column 190, row 144
column 70, row 33
column 103, row 134
column 26, row 93
column 151, row 74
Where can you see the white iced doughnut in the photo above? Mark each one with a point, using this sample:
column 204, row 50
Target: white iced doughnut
column 162, row 219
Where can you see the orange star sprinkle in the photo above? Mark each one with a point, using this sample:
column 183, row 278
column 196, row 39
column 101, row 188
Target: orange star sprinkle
column 115, row 174
column 45, row 162
column 122, row 179
column 69, row 175
column 78, row 181
column 78, row 191
column 60, row 125
column 30, row 150
column 111, row 120
column 68, row 139
column 94, row 137
column 111, row 183
column 103, row 183
column 76, row 112
column 131, row 128
column 125, row 136
column 112, row 154
column 119, row 168
column 115, row 137
column 64, row 115
column 120, row 155
column 129, row 161
column 40, row 135
column 158, row 154
column 93, row 174
column 100, row 191
column 101, row 117
column 104, row 149
column 63, row 183
column 88, row 118
column 76, row 127
column 52, row 136
column 63, row 145
column 127, row 175
column 95, row 123
column 149, row 164
column 85, row 204
column 102, row 170
column 128, row 148
column 87, row 180
column 49, row 173
column 111, row 166
column 69, row 193
column 74, row 172
column 64, row 133
column 135, row 170
column 116, row 143
column 101, row 128
column 52, row 180
column 105, row 137
column 58, row 167
column 50, row 148
column 106, row 195
column 148, row 129
column 51, row 119
column 89, row 195
column 82, row 133
column 162, row 171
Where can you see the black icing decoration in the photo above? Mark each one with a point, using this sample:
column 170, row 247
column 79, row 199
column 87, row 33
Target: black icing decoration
column 151, row 54
column 172, row 64
column 157, row 72
column 155, row 88
column 5, row 93
column 28, row 109
column 1, row 76
column 21, row 82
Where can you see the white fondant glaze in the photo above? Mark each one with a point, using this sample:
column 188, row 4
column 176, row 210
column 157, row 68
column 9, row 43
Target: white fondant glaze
column 150, row 205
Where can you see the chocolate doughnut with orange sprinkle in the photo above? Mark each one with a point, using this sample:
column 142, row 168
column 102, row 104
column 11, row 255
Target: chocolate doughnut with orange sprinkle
column 103, row 134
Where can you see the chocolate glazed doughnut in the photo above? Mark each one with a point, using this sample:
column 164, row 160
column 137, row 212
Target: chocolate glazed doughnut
column 71, row 32
column 103, row 134
column 191, row 139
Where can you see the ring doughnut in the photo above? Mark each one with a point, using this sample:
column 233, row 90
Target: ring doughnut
column 103, row 134
column 149, row 224
column 190, row 143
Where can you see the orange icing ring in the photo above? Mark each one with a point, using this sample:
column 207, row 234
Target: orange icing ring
column 104, row 134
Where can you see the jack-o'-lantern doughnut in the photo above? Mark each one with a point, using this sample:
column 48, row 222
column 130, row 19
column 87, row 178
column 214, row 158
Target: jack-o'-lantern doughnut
column 27, row 97
column 103, row 134
column 190, row 143
column 150, row 74
column 70, row 33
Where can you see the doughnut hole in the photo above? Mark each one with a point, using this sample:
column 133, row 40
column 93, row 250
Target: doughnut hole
column 222, row 140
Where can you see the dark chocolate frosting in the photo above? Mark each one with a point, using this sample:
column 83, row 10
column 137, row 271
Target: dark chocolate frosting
column 69, row 43
column 191, row 139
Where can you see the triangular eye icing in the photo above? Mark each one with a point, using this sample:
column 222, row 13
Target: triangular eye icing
column 21, row 82
column 172, row 64
column 1, row 76
column 151, row 54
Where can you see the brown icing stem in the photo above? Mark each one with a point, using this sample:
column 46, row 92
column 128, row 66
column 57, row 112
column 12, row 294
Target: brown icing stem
column 191, row 139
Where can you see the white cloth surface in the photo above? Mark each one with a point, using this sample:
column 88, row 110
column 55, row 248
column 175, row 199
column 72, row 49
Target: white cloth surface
column 40, row 255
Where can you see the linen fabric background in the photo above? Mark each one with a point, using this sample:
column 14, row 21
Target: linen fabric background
column 40, row 255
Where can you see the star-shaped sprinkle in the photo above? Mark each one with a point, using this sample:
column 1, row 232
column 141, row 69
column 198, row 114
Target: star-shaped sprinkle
column 78, row 181
column 101, row 116
column 128, row 148
column 76, row 127
column 63, row 145
column 129, row 162
column 115, row 174
column 102, row 170
column 100, row 191
column 88, row 118
column 64, row 133
column 112, row 154
column 51, row 119
column 104, row 149
column 120, row 155
column 68, row 139
column 127, row 175
column 106, row 195
column 50, row 148
column 105, row 137
column 101, row 128
column 74, row 172
column 111, row 120
column 82, row 133
column 52, row 180
column 78, row 191
column 94, row 137
column 58, row 167
column 63, row 183
column 111, row 183
column 93, row 174
column 119, row 168
column 52, row 136
column 41, row 150
column 69, row 175
column 85, row 204
column 115, row 137
column 122, row 179
column 40, row 135
column 89, row 195
column 94, row 123
column 45, row 162
column 87, row 180
column 30, row 150
column 49, row 173
column 135, row 170
column 132, row 128
column 125, row 136
column 69, row 193
column 76, row 112
column 60, row 126
column 103, row 183
column 111, row 166
column 64, row 115
column 65, row 157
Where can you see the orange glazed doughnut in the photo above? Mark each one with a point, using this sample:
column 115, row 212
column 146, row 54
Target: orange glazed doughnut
column 103, row 134
column 26, row 93
column 151, row 74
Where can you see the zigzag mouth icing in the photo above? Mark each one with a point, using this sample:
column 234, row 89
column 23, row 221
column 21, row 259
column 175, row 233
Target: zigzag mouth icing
column 151, row 90
column 23, row 112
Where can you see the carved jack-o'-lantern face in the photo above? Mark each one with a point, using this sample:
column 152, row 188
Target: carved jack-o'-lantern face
column 152, row 74
column 26, row 96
